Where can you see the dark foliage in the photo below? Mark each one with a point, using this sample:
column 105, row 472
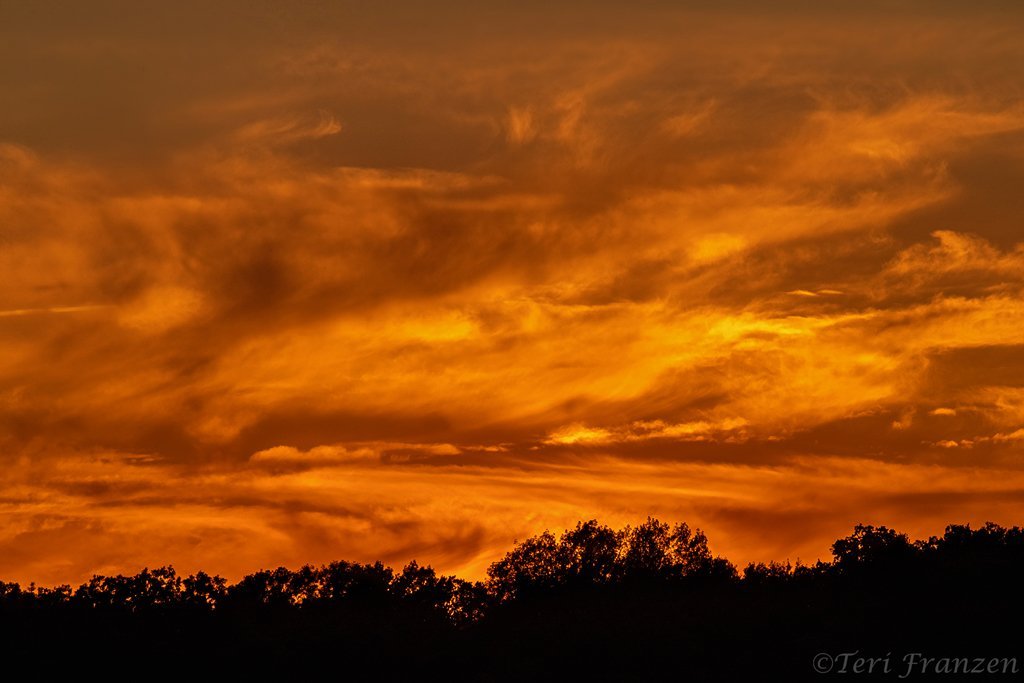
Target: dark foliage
column 592, row 604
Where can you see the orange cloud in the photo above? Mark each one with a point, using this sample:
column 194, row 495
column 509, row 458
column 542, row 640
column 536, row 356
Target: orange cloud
column 326, row 285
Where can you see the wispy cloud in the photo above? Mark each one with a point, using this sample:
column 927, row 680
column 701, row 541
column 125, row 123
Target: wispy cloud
column 49, row 309
column 325, row 284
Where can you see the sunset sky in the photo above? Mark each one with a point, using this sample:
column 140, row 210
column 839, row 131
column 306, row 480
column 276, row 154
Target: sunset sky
column 283, row 283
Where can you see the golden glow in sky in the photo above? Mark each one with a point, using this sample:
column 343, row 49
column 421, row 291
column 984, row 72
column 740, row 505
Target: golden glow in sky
column 291, row 284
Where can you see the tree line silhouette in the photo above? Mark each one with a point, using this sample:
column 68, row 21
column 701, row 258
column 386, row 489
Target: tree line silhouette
column 594, row 603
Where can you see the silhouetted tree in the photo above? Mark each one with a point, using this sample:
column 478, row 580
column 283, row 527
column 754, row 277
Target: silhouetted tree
column 594, row 602
column 530, row 567
column 588, row 553
column 772, row 572
column 872, row 547
column 203, row 590
column 266, row 588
